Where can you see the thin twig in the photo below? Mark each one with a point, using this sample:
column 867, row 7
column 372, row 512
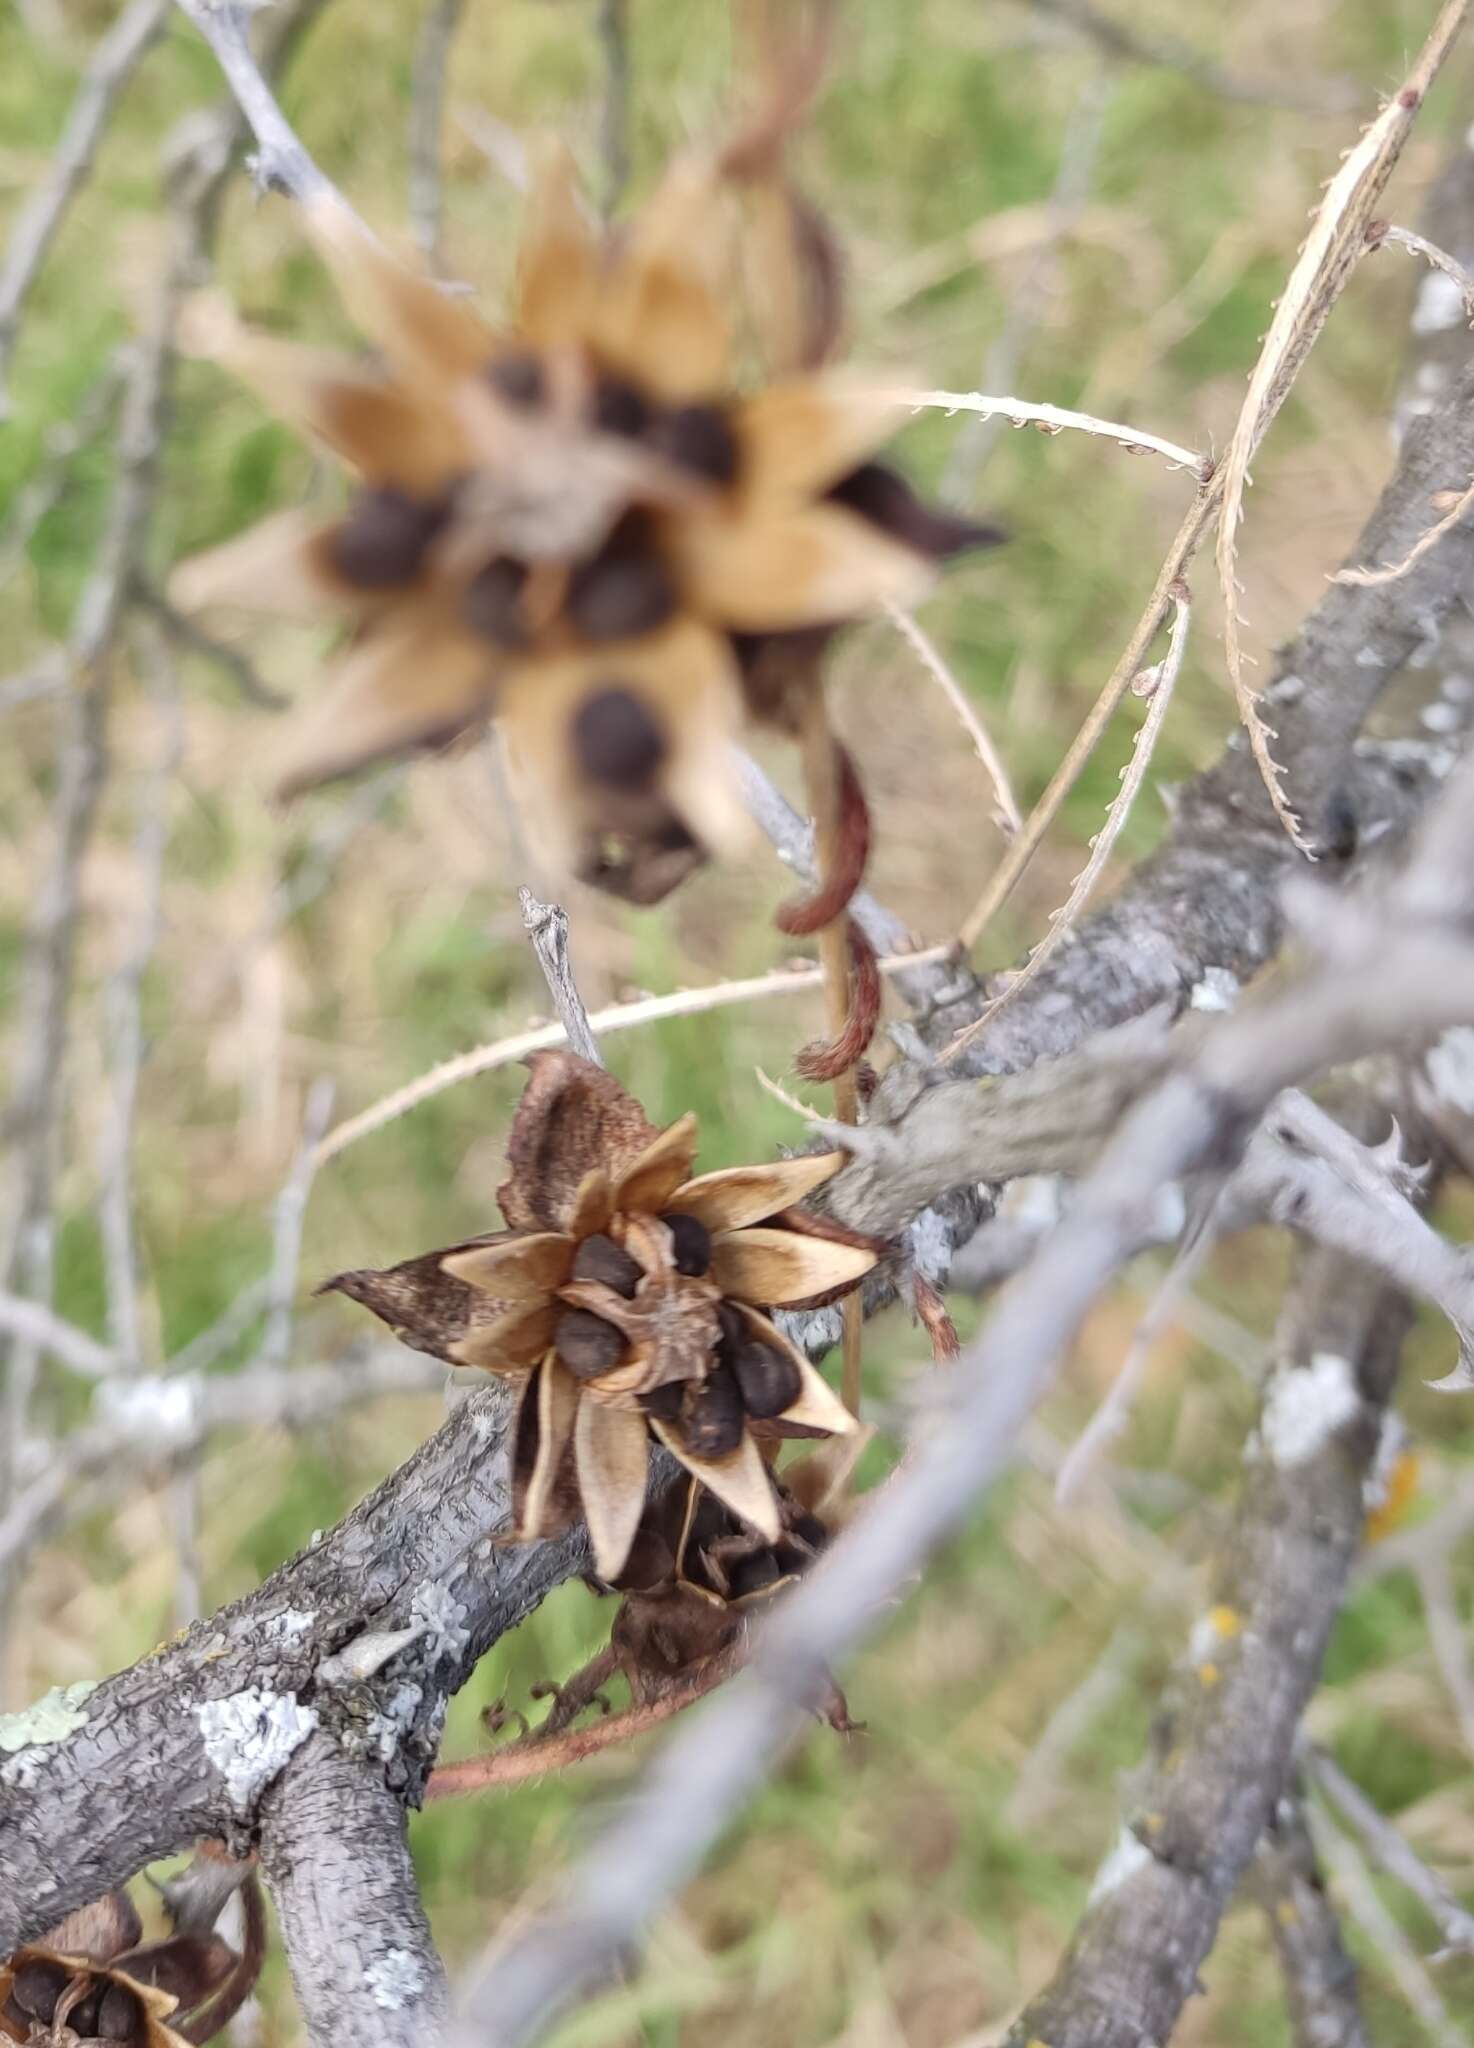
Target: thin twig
column 1387, row 1846
column 1449, row 1638
column 1159, row 683
column 426, row 119
column 281, row 163
column 1005, row 804
column 1452, row 518
column 614, row 119
column 546, row 925
column 1337, row 239
column 1383, row 234
column 288, row 1216
column 113, row 63
column 1319, row 1975
column 1054, row 419
column 189, row 634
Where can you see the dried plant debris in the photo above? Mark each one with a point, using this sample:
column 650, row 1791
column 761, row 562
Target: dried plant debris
column 585, row 523
column 629, row 1300
column 94, row 1979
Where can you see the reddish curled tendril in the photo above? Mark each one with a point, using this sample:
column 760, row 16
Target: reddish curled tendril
column 802, row 916
column 824, row 1059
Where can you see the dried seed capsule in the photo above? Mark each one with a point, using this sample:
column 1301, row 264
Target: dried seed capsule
column 382, row 542
column 519, row 380
column 120, row 2015
column 37, row 1986
column 600, row 1258
column 690, row 1243
column 769, row 1378
column 713, row 1422
column 616, row 739
column 621, row 408
column 664, row 1403
column 753, row 1574
column 626, row 589
column 700, row 439
column 492, row 605
column 587, row 1345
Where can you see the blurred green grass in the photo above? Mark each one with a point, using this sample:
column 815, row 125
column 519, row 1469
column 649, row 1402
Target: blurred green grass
column 877, row 1892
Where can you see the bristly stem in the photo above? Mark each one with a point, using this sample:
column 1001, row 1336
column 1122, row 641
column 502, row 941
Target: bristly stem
column 822, row 772
column 547, row 927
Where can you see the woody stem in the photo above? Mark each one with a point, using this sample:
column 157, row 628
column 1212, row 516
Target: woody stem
column 821, row 774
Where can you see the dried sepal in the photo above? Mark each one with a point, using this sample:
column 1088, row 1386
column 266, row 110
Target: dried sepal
column 611, row 1450
column 574, row 1120
column 545, row 1419
column 740, row 1480
column 781, row 1268
column 736, row 1196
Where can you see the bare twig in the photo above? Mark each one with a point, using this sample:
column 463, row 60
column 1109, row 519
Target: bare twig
column 438, row 29
column 288, row 1216
column 194, row 638
column 1336, row 241
column 1449, row 1638
column 1454, row 516
column 1383, row 234
column 1320, row 1977
column 1005, row 804
column 1383, row 1841
column 1157, row 684
column 281, row 163
column 614, row 34
column 1054, row 419
column 113, row 63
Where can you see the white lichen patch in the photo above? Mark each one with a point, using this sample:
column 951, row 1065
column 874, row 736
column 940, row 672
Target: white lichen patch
column 1305, row 1406
column 441, row 1620
column 1439, row 304
column 153, row 1413
column 1217, row 991
column 55, row 1716
column 289, row 1626
column 395, row 1979
column 1450, row 1067
column 1128, row 1857
column 1441, row 717
column 250, row 1737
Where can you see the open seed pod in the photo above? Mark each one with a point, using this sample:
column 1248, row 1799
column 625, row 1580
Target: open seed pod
column 93, row 1979
column 628, row 1301
column 585, row 522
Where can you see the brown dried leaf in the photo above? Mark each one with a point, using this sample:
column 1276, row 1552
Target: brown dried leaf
column 426, row 1307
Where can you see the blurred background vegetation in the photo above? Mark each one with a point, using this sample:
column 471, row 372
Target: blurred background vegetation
column 1023, row 212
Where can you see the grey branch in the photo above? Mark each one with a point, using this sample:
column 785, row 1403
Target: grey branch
column 281, row 163
column 113, row 63
column 546, row 925
column 426, row 119
column 1319, row 1975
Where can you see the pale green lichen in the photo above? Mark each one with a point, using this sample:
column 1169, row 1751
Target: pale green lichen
column 52, row 1718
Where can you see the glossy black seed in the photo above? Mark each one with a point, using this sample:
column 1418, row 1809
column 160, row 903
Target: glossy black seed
column 690, row 1243
column 886, row 500
column 492, row 605
column 626, row 589
column 587, row 1345
column 664, row 1403
column 382, row 542
column 616, row 739
column 753, row 1574
column 698, row 438
column 120, row 2015
column 621, row 408
column 519, row 379
column 713, row 1422
column 36, row 1988
column 600, row 1258
column 769, row 1378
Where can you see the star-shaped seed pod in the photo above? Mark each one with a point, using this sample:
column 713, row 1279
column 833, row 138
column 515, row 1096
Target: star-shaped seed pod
column 582, row 524
column 93, row 1979
column 628, row 1300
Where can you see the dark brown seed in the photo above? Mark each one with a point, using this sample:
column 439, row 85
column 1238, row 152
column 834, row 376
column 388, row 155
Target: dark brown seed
column 811, row 1531
column 664, row 1403
column 690, row 1243
column 36, row 1988
column 519, row 379
column 616, row 739
column 621, row 408
column 713, row 1423
column 769, row 1379
column 492, row 605
column 587, row 1345
column 382, row 542
column 120, row 2015
column 82, row 2019
column 753, row 1574
column 601, row 1259
column 886, row 500
column 625, row 590
column 700, row 439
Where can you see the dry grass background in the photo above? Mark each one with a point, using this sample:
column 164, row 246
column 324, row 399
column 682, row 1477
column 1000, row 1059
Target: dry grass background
column 911, row 1885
